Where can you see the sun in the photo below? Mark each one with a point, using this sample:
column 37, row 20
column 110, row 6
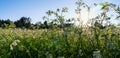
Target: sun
column 86, row 15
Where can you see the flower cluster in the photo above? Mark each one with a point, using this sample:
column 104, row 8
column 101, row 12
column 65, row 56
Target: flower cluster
column 14, row 43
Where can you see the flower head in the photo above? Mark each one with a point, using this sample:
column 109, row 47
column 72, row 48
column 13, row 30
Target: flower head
column 14, row 43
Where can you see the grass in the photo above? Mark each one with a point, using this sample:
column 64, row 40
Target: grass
column 56, row 43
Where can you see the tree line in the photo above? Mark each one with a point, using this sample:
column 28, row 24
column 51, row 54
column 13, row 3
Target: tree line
column 25, row 23
column 59, row 21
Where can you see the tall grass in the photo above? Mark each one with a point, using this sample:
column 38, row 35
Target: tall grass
column 67, row 43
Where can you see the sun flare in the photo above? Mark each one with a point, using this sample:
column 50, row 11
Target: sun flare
column 86, row 15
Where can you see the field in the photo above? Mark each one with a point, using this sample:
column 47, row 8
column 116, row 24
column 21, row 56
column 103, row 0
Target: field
column 92, row 30
column 60, row 43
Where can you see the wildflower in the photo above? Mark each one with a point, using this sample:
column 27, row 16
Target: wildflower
column 96, row 54
column 80, row 52
column 61, row 57
column 48, row 55
column 14, row 43
column 11, row 48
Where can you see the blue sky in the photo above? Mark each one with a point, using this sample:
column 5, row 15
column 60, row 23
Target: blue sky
column 35, row 9
column 14, row 9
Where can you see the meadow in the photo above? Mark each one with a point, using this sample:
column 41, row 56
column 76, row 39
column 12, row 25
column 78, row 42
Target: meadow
column 60, row 43
column 58, row 37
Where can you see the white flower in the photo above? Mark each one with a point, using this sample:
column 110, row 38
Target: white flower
column 11, row 47
column 14, row 43
column 96, row 54
column 80, row 52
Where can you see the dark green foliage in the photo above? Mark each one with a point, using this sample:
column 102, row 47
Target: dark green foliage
column 24, row 22
column 7, row 24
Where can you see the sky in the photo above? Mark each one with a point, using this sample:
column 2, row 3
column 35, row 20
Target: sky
column 35, row 9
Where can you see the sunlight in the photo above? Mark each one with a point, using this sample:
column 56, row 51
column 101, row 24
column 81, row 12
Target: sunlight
column 87, row 15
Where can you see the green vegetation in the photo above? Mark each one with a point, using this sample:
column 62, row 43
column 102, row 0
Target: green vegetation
column 55, row 39
column 67, row 43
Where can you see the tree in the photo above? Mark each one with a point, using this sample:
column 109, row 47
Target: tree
column 23, row 22
column 7, row 24
column 45, row 25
